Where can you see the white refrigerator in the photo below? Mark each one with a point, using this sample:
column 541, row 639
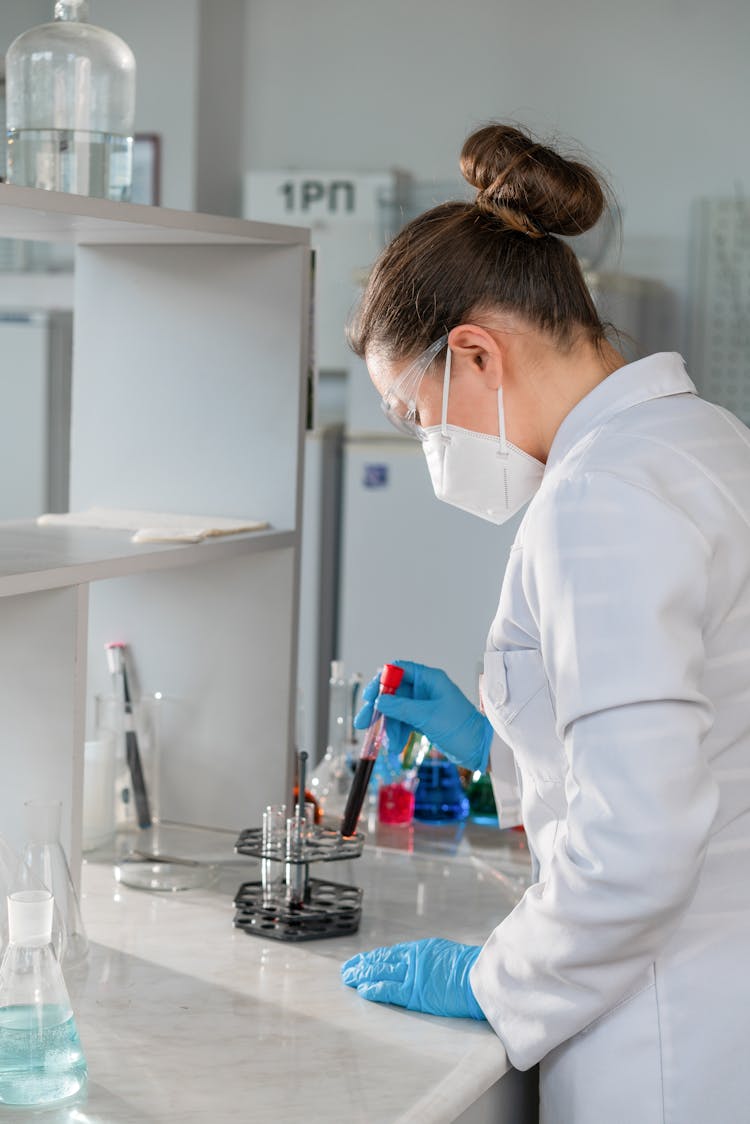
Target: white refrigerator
column 35, row 351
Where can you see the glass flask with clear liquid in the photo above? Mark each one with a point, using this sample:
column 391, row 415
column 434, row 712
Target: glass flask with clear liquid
column 70, row 91
column 332, row 776
column 41, row 1060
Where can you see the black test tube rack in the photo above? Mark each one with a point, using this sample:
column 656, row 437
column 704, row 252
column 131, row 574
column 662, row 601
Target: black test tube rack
column 325, row 909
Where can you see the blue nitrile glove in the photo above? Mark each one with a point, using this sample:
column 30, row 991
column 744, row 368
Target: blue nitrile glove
column 431, row 703
column 430, row 975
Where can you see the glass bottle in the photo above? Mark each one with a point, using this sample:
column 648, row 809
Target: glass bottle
column 41, row 1060
column 330, row 779
column 45, row 858
column 70, row 90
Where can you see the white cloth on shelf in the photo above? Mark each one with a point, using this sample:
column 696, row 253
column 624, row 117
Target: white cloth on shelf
column 153, row 526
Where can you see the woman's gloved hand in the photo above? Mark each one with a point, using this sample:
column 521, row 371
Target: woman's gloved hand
column 430, row 975
column 431, row 703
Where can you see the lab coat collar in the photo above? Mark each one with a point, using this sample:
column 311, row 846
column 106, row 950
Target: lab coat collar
column 656, row 376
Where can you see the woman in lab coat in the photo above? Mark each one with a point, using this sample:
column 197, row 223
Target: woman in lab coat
column 616, row 680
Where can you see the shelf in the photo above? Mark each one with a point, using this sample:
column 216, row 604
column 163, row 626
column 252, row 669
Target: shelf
column 189, row 370
column 53, row 216
column 34, row 558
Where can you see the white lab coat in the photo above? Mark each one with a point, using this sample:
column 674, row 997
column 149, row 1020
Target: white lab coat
column 617, row 678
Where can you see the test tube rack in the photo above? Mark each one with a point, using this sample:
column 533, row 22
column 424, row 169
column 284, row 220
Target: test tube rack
column 302, row 908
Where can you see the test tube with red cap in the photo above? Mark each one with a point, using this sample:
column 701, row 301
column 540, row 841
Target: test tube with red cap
column 390, row 680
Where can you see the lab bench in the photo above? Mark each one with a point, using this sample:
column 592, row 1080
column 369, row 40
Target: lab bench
column 185, row 1018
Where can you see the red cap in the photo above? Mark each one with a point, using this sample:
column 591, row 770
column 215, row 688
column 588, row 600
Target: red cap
column 390, row 678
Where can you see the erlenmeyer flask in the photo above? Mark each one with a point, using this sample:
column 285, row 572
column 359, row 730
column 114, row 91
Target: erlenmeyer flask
column 45, row 858
column 41, row 1060
column 15, row 876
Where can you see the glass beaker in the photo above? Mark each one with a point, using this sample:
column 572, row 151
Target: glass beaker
column 45, row 858
column 41, row 1060
column 110, row 721
column 396, row 797
column 150, row 858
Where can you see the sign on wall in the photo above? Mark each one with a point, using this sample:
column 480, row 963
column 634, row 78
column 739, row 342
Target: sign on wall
column 351, row 216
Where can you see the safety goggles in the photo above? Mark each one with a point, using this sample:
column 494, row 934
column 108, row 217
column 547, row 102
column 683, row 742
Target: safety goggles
column 399, row 403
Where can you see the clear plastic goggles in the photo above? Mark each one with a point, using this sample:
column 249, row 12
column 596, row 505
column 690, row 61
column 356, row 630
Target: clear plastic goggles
column 399, row 403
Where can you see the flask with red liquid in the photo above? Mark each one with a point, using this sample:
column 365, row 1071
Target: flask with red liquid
column 396, row 799
column 390, row 680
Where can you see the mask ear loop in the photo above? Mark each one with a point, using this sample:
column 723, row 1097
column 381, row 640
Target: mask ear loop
column 444, row 413
column 503, row 443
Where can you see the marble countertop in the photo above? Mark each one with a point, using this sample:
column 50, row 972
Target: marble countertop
column 184, row 1018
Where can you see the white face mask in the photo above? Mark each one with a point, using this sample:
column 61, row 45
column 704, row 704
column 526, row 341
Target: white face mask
column 481, row 474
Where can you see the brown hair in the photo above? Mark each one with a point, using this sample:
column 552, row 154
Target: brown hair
column 461, row 259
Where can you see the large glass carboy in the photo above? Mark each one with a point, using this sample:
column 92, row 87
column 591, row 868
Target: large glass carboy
column 70, row 89
column 41, row 1060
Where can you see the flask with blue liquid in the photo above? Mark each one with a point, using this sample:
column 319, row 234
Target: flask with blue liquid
column 440, row 797
column 41, row 1059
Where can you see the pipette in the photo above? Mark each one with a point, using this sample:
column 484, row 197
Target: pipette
column 295, row 872
column 390, row 680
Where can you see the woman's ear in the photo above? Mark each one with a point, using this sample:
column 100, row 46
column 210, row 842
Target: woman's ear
column 478, row 352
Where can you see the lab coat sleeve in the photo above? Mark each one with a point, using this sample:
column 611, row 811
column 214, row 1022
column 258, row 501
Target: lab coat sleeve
column 617, row 579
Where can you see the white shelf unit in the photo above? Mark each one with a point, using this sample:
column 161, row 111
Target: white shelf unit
column 189, row 377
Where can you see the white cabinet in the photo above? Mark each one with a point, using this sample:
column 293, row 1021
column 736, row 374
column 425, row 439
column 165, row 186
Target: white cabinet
column 189, row 375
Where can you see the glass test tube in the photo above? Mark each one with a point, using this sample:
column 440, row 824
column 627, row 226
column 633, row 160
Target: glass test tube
column 297, row 833
column 390, row 680
column 273, row 840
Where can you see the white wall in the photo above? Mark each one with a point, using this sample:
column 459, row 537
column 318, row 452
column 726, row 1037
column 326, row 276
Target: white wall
column 163, row 35
column 656, row 90
column 17, row 15
column 221, row 42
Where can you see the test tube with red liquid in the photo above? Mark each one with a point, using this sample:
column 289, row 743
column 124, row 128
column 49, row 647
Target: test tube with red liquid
column 390, row 680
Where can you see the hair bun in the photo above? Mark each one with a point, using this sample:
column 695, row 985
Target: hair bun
column 529, row 186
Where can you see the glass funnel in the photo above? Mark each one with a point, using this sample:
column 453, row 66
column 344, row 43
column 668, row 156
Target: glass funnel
column 45, row 858
column 41, row 1060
